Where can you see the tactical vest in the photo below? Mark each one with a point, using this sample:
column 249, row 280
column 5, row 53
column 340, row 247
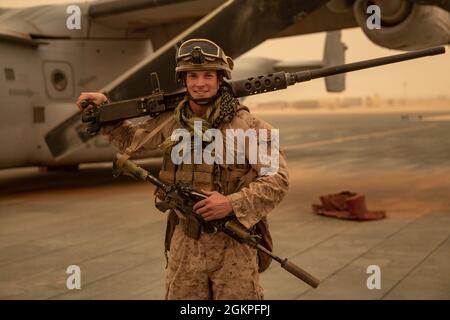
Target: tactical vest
column 224, row 178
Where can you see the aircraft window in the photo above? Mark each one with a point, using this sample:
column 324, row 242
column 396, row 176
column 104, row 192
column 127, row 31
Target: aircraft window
column 9, row 74
column 59, row 80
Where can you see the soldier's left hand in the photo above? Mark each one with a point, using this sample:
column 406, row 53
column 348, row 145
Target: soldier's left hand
column 216, row 206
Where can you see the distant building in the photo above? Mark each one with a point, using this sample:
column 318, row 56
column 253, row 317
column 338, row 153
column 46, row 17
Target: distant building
column 349, row 102
column 306, row 104
column 274, row 105
column 373, row 101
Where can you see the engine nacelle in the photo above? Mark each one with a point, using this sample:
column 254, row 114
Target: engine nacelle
column 405, row 25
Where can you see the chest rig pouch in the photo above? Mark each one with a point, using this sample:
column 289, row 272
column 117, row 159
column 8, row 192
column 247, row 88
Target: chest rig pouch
column 223, row 178
column 199, row 176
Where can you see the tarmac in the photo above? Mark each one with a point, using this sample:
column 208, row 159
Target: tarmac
column 112, row 231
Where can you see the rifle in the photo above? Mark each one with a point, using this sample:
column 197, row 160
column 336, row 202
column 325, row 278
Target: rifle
column 158, row 101
column 182, row 197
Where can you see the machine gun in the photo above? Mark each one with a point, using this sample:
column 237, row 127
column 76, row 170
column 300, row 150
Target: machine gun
column 182, row 197
column 158, row 102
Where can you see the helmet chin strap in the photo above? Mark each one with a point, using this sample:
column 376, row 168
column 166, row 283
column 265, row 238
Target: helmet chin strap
column 204, row 101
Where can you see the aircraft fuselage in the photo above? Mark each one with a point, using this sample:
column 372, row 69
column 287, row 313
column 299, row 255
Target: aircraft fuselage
column 39, row 85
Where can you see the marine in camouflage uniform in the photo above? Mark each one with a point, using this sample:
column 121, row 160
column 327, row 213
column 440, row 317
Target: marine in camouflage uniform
column 215, row 266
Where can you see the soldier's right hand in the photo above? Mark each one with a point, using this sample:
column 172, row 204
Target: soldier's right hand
column 95, row 97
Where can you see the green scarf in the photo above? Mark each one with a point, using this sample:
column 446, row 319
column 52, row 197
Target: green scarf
column 221, row 111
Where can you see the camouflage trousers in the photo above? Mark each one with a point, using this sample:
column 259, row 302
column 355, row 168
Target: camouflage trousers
column 213, row 267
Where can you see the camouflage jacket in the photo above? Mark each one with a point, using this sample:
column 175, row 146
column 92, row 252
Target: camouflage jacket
column 251, row 195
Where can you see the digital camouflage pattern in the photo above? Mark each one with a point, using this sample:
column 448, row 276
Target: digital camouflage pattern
column 215, row 266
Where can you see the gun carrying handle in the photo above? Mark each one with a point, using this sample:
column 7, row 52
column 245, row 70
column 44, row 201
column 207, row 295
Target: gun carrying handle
column 84, row 104
column 88, row 105
column 300, row 273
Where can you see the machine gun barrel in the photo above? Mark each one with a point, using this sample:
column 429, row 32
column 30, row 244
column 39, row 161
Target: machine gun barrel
column 159, row 102
column 349, row 67
column 287, row 265
column 281, row 80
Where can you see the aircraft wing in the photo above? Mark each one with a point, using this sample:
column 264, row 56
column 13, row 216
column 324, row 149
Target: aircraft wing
column 148, row 12
column 158, row 20
column 406, row 24
column 162, row 20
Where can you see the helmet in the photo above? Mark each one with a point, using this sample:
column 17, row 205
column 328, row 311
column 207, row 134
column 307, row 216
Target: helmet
column 202, row 54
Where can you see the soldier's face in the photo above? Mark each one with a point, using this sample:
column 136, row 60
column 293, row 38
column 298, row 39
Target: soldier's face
column 202, row 84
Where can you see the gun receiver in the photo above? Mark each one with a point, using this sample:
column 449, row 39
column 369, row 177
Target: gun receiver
column 182, row 197
column 159, row 102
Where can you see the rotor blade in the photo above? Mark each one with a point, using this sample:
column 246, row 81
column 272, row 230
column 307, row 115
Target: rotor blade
column 67, row 136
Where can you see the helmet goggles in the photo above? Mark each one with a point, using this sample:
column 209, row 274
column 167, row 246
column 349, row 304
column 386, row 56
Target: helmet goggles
column 202, row 54
column 198, row 52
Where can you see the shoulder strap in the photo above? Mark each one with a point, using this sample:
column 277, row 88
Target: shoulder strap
column 139, row 139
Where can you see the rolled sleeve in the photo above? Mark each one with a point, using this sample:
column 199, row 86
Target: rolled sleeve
column 254, row 201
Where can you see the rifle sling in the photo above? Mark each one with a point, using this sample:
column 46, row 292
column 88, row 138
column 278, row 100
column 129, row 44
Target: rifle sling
column 139, row 139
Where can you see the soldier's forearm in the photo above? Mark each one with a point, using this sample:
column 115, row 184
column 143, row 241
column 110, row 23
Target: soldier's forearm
column 252, row 203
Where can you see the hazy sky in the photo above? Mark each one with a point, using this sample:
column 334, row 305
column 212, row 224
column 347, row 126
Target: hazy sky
column 428, row 76
column 423, row 77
